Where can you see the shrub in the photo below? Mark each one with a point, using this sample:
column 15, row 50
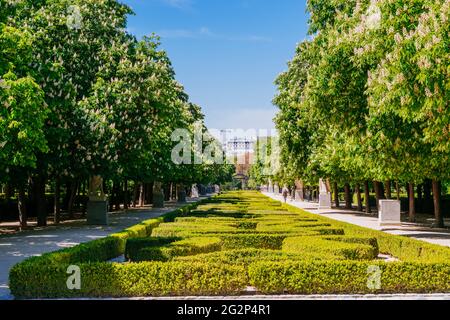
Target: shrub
column 344, row 277
column 258, row 241
column 184, row 247
column 134, row 245
column 247, row 256
column 337, row 248
column 128, row 280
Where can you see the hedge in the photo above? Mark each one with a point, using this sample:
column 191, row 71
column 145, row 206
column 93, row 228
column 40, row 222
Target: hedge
column 100, row 250
column 166, row 252
column 232, row 241
column 333, row 248
column 129, row 280
column 343, row 277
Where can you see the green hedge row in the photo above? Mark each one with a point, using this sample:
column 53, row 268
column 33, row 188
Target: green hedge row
column 404, row 248
column 129, row 280
column 340, row 248
column 100, row 250
column 166, row 252
column 343, row 277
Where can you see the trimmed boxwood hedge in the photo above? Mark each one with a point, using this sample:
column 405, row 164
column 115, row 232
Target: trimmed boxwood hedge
column 128, row 280
column 232, row 241
column 100, row 250
column 340, row 277
column 172, row 249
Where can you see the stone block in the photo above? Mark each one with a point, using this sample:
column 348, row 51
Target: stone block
column 158, row 200
column 182, row 197
column 194, row 192
column 299, row 196
column 325, row 201
column 97, row 213
column 389, row 213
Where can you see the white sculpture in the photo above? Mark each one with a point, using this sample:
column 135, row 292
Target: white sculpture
column 324, row 194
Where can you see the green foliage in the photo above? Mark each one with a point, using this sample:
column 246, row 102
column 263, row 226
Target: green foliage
column 129, row 280
column 367, row 97
column 340, row 277
column 165, row 249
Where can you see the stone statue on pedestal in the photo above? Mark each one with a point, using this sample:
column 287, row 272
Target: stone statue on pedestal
column 324, row 194
column 97, row 208
column 158, row 195
column 96, row 192
column 194, row 191
column 299, row 194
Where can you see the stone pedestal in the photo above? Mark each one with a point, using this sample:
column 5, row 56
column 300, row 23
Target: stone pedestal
column 194, row 192
column 182, row 196
column 389, row 213
column 97, row 212
column 158, row 200
column 299, row 196
column 203, row 191
column 325, row 201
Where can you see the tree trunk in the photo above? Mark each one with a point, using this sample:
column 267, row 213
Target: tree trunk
column 397, row 187
column 73, row 192
column 41, row 210
column 348, row 197
column 118, row 196
column 420, row 197
column 126, row 201
column 150, row 192
column 358, row 196
column 57, row 207
column 412, row 203
column 336, row 194
column 427, row 197
column 136, row 194
column 388, row 189
column 376, row 186
column 141, row 195
column 66, row 199
column 22, row 207
column 437, row 204
column 367, row 197
column 9, row 191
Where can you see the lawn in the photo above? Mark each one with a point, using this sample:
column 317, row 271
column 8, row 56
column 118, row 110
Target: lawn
column 237, row 241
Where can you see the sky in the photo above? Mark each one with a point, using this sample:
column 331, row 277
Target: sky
column 226, row 53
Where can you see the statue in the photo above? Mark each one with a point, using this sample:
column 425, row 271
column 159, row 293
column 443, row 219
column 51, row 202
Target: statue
column 324, row 194
column 96, row 192
column 97, row 207
column 324, row 186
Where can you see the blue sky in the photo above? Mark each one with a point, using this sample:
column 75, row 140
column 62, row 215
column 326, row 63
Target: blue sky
column 227, row 53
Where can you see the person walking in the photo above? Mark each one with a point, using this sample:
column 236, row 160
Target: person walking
column 285, row 193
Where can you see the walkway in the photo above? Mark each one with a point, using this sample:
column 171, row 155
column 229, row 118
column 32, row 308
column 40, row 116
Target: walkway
column 440, row 236
column 17, row 247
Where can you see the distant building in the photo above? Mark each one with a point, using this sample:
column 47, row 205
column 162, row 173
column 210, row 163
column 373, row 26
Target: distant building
column 239, row 146
column 240, row 151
